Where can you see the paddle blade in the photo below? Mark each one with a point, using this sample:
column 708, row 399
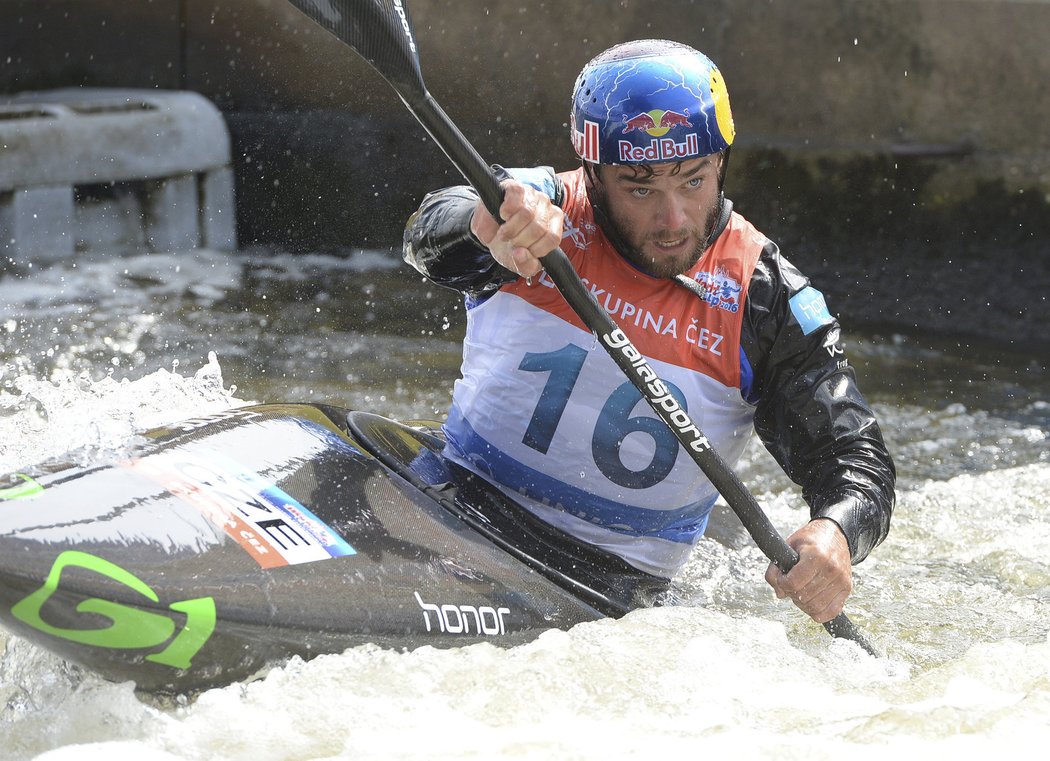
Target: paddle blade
column 381, row 33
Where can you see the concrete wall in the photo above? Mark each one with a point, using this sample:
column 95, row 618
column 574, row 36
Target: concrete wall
column 108, row 169
column 907, row 124
column 894, row 77
column 850, row 73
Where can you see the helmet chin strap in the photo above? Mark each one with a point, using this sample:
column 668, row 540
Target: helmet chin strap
column 723, row 170
column 600, row 215
column 720, row 220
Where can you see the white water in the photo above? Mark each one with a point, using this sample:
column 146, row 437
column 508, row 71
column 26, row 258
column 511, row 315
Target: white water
column 958, row 597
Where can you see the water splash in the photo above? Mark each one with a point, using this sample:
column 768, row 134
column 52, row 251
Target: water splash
column 98, row 418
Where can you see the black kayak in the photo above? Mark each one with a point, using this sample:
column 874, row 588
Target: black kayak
column 223, row 545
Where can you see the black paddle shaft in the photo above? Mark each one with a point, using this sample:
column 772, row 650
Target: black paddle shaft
column 381, row 32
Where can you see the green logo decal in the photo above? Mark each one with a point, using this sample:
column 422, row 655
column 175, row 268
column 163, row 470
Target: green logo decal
column 28, row 489
column 131, row 628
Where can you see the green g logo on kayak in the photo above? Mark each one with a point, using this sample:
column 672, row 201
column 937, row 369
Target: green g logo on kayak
column 130, row 628
column 23, row 487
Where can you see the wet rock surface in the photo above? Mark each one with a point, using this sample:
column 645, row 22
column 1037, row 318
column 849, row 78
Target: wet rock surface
column 893, row 248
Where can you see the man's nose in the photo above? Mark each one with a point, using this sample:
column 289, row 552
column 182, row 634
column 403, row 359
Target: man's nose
column 671, row 213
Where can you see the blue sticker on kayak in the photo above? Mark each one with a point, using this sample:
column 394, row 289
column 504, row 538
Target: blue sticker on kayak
column 810, row 309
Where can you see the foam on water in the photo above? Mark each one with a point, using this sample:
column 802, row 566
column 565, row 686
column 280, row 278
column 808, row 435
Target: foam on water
column 675, row 681
column 959, row 599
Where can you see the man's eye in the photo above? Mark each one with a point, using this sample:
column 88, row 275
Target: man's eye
column 640, row 192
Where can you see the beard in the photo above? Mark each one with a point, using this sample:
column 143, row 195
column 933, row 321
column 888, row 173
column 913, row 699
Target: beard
column 633, row 250
column 665, row 266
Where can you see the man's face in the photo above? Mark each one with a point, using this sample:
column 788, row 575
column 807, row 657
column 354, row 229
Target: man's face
column 665, row 218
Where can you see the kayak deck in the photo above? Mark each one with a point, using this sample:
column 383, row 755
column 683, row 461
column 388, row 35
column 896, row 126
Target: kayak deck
column 223, row 545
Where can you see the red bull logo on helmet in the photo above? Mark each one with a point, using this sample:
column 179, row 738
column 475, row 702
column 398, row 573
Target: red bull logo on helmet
column 660, row 149
column 658, row 123
column 586, row 143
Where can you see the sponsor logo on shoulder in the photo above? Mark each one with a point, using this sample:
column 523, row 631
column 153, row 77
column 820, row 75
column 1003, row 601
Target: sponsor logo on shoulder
column 832, row 344
column 810, row 309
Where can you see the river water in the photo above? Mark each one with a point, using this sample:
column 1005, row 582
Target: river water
column 958, row 597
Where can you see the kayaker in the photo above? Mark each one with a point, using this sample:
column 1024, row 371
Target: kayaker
column 737, row 333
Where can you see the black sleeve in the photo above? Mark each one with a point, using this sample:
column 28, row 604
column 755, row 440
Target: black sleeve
column 810, row 414
column 439, row 244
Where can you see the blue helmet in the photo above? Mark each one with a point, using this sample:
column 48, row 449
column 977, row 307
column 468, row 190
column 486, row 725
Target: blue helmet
column 650, row 102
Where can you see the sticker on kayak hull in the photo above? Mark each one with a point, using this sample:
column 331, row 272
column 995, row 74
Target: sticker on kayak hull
column 24, row 490
column 129, row 628
column 270, row 524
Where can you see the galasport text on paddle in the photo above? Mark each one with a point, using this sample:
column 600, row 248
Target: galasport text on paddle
column 381, row 33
